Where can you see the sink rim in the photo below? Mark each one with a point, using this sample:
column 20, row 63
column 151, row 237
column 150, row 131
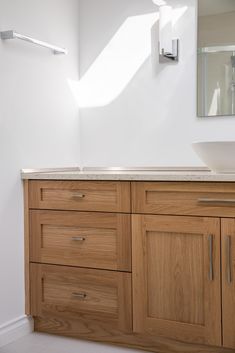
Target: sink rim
column 216, row 155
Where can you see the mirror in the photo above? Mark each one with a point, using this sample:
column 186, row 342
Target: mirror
column 216, row 57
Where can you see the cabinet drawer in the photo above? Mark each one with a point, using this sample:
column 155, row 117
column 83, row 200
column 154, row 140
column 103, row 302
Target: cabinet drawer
column 80, row 195
column 85, row 239
column 179, row 198
column 69, row 292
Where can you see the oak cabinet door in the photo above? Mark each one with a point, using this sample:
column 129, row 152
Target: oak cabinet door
column 228, row 282
column 176, row 278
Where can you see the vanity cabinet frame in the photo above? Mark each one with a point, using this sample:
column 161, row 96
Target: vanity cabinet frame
column 194, row 210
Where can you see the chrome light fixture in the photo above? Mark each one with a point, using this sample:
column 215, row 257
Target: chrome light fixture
column 168, row 47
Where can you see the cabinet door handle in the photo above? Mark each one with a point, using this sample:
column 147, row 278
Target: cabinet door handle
column 78, row 238
column 205, row 200
column 229, row 258
column 211, row 266
column 80, row 296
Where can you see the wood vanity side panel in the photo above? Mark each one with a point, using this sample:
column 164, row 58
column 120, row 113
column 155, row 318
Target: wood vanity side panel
column 100, row 196
column 36, row 293
column 26, row 247
column 183, row 198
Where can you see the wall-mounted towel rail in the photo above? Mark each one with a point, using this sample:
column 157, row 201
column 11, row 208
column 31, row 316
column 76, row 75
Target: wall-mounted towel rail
column 14, row 35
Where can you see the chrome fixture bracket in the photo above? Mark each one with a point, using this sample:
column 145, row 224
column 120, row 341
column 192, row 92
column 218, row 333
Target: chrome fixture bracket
column 167, row 57
column 5, row 35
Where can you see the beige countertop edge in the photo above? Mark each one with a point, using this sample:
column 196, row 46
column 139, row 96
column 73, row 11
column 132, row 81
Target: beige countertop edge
column 130, row 176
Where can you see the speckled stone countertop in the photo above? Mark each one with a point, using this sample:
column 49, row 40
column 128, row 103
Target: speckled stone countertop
column 131, row 174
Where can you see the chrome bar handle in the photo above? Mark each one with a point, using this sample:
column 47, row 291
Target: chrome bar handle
column 78, row 195
column 80, row 296
column 78, row 238
column 205, row 200
column 229, row 258
column 211, row 267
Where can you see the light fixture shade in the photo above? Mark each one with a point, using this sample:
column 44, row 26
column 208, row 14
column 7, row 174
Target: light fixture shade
column 168, row 46
column 165, row 29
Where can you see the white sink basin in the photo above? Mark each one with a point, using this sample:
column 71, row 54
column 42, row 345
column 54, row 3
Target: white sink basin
column 219, row 156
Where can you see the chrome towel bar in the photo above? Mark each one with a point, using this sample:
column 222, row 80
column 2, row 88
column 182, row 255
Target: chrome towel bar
column 226, row 201
column 5, row 35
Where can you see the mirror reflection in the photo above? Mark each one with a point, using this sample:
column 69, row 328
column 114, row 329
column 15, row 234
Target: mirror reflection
column 216, row 57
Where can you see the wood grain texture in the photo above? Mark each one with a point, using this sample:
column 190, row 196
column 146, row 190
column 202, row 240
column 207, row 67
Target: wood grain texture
column 172, row 294
column 181, row 198
column 175, row 277
column 26, row 247
column 106, row 196
column 102, row 332
column 57, row 291
column 105, row 244
column 228, row 288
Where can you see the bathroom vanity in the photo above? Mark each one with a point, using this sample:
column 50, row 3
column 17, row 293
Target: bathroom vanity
column 140, row 259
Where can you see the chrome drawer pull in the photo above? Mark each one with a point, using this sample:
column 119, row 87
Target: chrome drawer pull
column 211, row 268
column 229, row 201
column 78, row 195
column 229, row 258
column 78, row 238
column 81, row 296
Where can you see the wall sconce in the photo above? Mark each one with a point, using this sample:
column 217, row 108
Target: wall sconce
column 168, row 47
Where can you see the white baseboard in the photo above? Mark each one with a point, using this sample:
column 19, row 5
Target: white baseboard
column 15, row 329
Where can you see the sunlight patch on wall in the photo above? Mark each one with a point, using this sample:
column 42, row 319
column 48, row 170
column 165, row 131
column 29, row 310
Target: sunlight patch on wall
column 117, row 64
column 178, row 13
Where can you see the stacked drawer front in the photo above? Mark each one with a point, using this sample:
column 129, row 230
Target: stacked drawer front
column 191, row 198
column 80, row 250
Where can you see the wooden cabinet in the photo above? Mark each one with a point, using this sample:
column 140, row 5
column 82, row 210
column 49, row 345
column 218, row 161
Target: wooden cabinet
column 79, row 253
column 176, row 277
column 149, row 265
column 228, row 282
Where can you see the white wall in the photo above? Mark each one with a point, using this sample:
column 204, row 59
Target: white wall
column 38, row 121
column 153, row 119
